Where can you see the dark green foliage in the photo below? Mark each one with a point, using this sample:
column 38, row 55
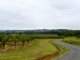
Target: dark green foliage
column 59, row 32
column 4, row 41
column 15, row 40
column 1, row 37
column 18, row 37
column 78, row 36
column 22, row 38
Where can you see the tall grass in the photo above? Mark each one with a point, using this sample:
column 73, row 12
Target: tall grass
column 72, row 40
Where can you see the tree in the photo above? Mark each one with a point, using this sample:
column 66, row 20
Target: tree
column 4, row 41
column 1, row 37
column 15, row 40
column 22, row 38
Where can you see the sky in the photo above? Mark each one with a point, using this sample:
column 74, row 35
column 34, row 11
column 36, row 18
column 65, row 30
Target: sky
column 39, row 14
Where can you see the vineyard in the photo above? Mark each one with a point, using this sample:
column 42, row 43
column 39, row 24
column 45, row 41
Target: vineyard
column 24, row 47
column 14, row 40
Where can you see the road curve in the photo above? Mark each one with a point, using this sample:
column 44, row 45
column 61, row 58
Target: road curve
column 73, row 51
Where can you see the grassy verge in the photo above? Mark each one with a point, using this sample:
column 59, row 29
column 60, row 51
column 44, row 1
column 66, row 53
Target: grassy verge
column 62, row 49
column 72, row 40
column 35, row 49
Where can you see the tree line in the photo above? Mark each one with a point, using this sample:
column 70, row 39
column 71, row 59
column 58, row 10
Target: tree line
column 60, row 32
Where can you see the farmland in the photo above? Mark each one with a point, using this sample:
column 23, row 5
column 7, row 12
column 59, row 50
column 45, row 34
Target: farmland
column 30, row 46
column 25, row 47
column 35, row 49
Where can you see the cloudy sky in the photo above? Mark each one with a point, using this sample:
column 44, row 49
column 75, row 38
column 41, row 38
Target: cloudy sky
column 39, row 14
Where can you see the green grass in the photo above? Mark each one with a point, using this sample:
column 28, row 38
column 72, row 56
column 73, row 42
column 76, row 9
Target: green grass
column 62, row 48
column 72, row 40
column 44, row 36
column 36, row 49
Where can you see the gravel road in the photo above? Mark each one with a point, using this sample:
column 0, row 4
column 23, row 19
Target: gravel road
column 73, row 51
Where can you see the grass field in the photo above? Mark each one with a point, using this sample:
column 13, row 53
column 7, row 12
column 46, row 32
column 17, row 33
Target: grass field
column 72, row 40
column 36, row 49
column 45, row 36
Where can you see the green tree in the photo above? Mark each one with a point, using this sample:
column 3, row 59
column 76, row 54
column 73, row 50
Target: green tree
column 4, row 41
column 15, row 40
column 22, row 38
